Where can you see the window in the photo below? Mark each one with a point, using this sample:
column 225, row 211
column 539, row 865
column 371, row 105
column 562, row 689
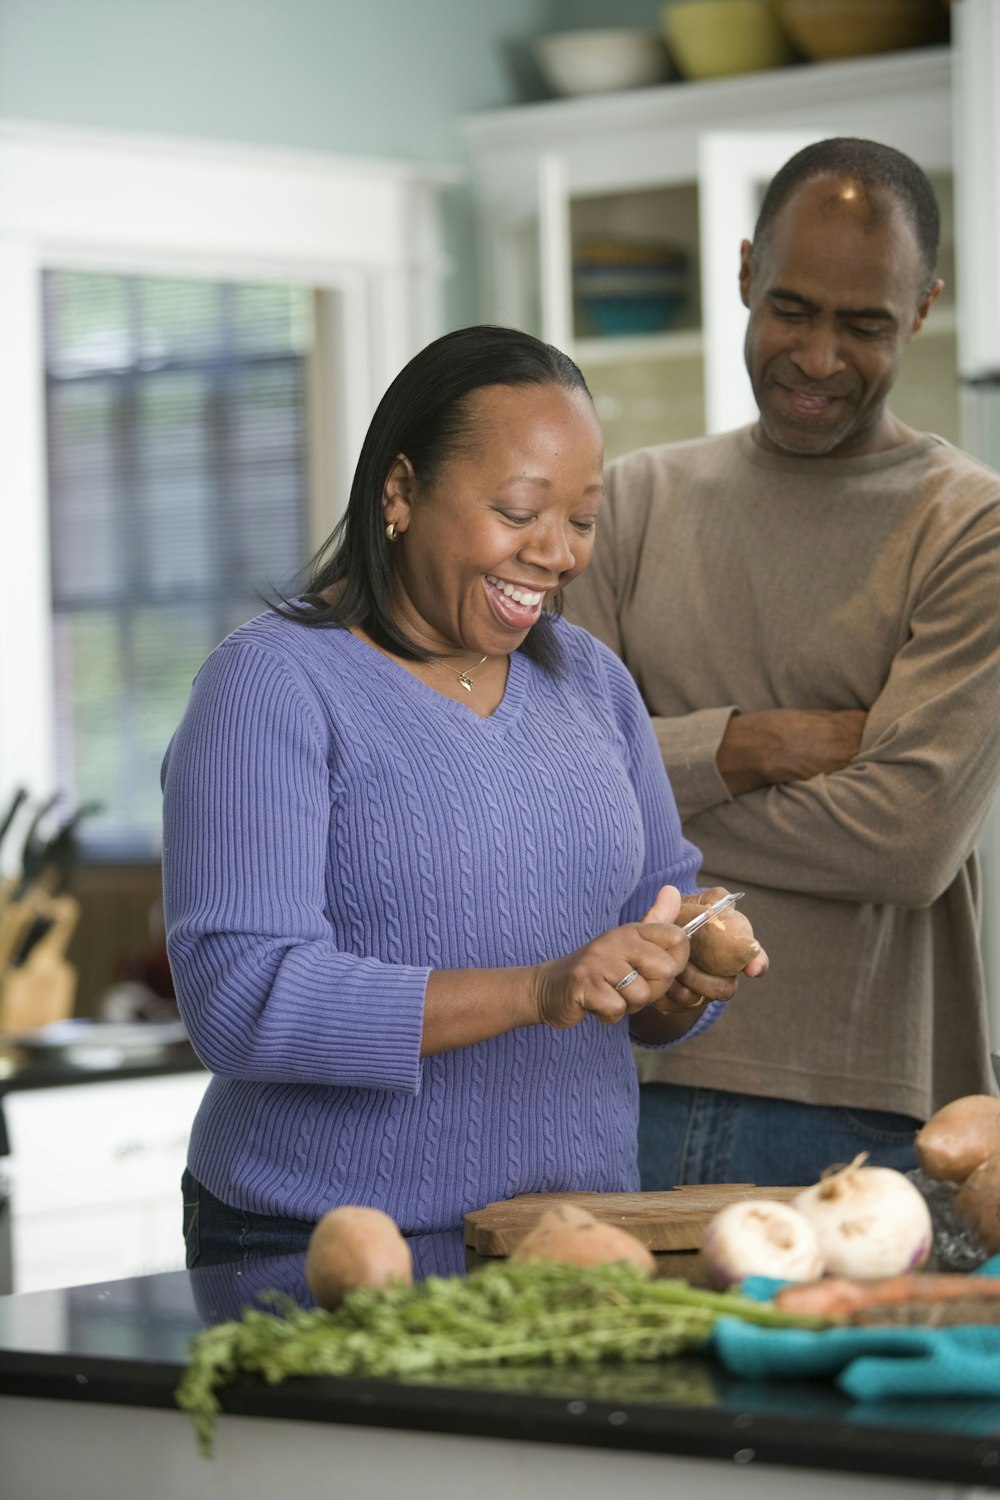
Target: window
column 178, row 492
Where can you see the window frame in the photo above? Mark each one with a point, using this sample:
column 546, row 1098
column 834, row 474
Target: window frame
column 365, row 234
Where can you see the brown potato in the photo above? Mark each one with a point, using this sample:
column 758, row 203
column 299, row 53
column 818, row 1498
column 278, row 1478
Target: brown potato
column 573, row 1236
column 977, row 1203
column 352, row 1247
column 726, row 944
column 959, row 1137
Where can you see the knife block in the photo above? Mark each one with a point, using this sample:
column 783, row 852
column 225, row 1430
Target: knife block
column 43, row 987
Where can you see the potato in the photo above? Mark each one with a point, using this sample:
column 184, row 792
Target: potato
column 977, row 1203
column 726, row 944
column 959, row 1137
column 573, row 1236
column 352, row 1247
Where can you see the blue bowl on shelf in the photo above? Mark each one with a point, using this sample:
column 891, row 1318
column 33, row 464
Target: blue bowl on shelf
column 617, row 316
column 629, row 287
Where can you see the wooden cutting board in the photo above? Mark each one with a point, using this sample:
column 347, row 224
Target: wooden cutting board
column 673, row 1220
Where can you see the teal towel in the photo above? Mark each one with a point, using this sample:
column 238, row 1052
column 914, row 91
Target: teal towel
column 869, row 1364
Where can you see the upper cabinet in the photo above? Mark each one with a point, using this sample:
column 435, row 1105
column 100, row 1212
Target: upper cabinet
column 655, row 188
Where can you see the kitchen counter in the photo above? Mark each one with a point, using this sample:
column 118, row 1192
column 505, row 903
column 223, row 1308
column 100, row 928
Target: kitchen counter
column 72, row 1360
column 20, row 1071
column 92, row 1147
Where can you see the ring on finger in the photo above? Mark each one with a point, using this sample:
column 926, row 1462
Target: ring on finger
column 623, row 984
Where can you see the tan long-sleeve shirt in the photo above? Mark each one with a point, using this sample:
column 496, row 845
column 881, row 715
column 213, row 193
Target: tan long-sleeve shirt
column 729, row 578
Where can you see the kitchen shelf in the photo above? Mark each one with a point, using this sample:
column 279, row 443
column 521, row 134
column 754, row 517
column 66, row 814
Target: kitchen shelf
column 679, row 343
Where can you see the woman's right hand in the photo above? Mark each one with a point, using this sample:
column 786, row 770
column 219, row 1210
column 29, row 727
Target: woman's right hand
column 583, row 983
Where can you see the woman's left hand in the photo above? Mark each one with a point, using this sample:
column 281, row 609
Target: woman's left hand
column 693, row 987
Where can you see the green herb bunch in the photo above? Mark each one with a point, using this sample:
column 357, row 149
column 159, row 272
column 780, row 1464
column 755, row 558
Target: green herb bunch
column 539, row 1313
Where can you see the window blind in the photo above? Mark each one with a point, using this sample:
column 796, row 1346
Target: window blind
column 178, row 493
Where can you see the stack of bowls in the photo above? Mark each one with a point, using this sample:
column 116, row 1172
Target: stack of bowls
column 629, row 286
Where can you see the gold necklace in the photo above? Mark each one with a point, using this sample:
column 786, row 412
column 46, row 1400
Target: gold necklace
column 465, row 677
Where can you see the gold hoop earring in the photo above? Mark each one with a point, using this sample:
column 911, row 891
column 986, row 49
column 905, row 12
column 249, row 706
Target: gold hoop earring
column 392, row 531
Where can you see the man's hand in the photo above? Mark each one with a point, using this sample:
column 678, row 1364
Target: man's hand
column 787, row 744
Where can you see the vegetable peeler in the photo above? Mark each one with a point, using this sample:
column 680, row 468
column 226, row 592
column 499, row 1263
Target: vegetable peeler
column 723, row 904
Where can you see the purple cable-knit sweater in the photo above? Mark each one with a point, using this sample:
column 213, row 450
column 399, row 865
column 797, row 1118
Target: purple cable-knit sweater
column 333, row 831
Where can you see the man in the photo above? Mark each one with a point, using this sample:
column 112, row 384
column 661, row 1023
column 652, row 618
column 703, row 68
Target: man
column 811, row 608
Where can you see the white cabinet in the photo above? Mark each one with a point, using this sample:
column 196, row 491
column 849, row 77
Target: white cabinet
column 95, row 1172
column 686, row 162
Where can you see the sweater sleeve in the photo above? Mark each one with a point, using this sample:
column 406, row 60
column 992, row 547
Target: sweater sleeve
column 688, row 743
column 898, row 823
column 261, row 985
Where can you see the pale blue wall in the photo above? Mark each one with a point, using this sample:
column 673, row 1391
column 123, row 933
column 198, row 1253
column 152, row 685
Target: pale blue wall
column 382, row 77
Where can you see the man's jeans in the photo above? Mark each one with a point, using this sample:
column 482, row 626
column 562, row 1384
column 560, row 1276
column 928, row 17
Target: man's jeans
column 704, row 1135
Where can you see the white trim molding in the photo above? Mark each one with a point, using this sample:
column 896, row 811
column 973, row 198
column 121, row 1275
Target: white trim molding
column 365, row 232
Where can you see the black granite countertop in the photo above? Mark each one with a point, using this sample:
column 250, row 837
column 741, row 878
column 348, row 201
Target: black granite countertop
column 40, row 1070
column 126, row 1342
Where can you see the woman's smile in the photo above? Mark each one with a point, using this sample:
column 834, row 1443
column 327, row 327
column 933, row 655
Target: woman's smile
column 514, row 605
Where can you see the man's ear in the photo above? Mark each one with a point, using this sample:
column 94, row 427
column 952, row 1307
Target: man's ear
column 397, row 492
column 745, row 251
column 924, row 307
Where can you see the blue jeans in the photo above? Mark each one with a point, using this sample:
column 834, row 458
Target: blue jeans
column 215, row 1233
column 704, row 1135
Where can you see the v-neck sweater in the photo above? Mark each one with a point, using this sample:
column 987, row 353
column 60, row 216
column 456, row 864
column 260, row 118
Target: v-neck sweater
column 334, row 830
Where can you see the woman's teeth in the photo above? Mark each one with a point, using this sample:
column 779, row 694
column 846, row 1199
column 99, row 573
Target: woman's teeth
column 519, row 596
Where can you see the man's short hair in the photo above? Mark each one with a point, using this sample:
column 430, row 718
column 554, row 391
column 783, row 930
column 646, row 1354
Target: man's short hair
column 872, row 166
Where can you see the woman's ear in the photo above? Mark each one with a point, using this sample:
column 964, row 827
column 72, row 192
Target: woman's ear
column 397, row 493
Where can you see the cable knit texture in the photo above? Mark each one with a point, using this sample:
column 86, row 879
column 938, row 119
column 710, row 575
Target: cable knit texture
column 334, row 830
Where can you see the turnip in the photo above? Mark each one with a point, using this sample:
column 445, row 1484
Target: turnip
column 871, row 1221
column 760, row 1237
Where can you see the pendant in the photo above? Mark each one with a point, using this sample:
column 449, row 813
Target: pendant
column 465, row 680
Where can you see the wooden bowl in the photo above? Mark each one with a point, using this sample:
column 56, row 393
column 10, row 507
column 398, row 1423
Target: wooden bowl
column 825, row 30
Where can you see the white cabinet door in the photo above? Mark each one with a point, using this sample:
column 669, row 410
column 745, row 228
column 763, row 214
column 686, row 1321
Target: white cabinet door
column 977, row 184
column 734, row 169
column 95, row 1172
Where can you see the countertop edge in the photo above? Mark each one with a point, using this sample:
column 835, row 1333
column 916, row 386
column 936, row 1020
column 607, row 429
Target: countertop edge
column 729, row 1437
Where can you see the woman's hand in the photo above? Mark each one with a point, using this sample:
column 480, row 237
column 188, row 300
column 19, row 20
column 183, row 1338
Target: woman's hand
column 584, row 983
column 694, row 985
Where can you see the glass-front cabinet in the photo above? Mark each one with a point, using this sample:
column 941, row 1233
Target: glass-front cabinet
column 611, row 226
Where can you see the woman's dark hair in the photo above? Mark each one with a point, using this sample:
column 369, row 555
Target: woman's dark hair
column 874, row 167
column 426, row 415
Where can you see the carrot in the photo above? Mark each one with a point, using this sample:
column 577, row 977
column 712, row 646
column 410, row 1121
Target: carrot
column 843, row 1300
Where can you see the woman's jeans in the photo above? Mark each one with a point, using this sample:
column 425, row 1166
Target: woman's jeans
column 704, row 1135
column 215, row 1233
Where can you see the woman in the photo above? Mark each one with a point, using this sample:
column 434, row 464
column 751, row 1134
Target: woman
column 421, row 859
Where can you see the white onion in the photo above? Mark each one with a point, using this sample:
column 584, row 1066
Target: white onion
column 760, row 1237
column 871, row 1221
